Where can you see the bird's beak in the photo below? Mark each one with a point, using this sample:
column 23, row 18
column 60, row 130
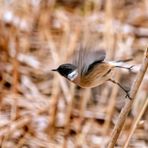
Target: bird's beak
column 54, row 70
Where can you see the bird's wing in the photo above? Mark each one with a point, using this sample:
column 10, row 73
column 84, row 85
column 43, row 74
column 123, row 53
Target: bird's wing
column 96, row 58
column 86, row 59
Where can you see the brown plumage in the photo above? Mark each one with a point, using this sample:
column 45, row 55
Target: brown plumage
column 92, row 69
column 103, row 72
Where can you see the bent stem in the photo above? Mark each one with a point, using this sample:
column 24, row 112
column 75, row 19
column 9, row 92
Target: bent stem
column 136, row 121
column 128, row 105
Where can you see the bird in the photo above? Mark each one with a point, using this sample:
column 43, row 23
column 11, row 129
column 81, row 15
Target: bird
column 89, row 69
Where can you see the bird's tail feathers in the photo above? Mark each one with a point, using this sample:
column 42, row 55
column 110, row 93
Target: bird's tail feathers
column 122, row 64
column 124, row 61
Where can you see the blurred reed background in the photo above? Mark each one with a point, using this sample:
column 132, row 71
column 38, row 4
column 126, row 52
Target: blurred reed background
column 40, row 109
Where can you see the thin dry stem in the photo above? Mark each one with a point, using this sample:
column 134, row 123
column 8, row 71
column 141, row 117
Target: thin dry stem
column 83, row 103
column 126, row 109
column 53, row 108
column 16, row 67
column 74, row 39
column 136, row 121
column 109, row 32
column 15, row 78
column 68, row 115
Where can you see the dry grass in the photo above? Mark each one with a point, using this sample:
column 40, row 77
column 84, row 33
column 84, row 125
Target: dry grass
column 39, row 108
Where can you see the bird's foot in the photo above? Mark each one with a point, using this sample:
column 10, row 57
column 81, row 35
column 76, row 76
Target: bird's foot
column 127, row 94
column 130, row 68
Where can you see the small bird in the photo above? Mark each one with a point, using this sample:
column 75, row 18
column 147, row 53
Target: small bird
column 89, row 69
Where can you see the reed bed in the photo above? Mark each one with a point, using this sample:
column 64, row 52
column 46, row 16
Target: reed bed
column 39, row 108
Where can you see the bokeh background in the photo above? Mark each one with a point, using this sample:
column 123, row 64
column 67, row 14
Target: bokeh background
column 40, row 109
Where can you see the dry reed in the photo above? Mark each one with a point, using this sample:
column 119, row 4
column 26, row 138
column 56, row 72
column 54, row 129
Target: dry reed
column 38, row 108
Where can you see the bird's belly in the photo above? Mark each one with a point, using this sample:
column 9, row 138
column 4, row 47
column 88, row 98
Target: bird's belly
column 94, row 82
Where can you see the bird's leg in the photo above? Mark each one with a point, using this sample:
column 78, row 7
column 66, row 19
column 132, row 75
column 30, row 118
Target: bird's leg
column 128, row 68
column 125, row 90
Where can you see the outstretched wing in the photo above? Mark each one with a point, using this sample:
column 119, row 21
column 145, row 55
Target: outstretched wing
column 86, row 59
column 99, row 57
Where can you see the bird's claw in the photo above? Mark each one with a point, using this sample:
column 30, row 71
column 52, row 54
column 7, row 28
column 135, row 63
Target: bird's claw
column 130, row 68
column 127, row 94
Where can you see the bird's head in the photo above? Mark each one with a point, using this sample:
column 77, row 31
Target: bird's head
column 69, row 71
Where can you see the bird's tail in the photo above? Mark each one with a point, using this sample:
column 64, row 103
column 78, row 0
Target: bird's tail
column 122, row 64
column 124, row 61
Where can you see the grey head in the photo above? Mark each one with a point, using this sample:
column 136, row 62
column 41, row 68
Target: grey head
column 69, row 71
